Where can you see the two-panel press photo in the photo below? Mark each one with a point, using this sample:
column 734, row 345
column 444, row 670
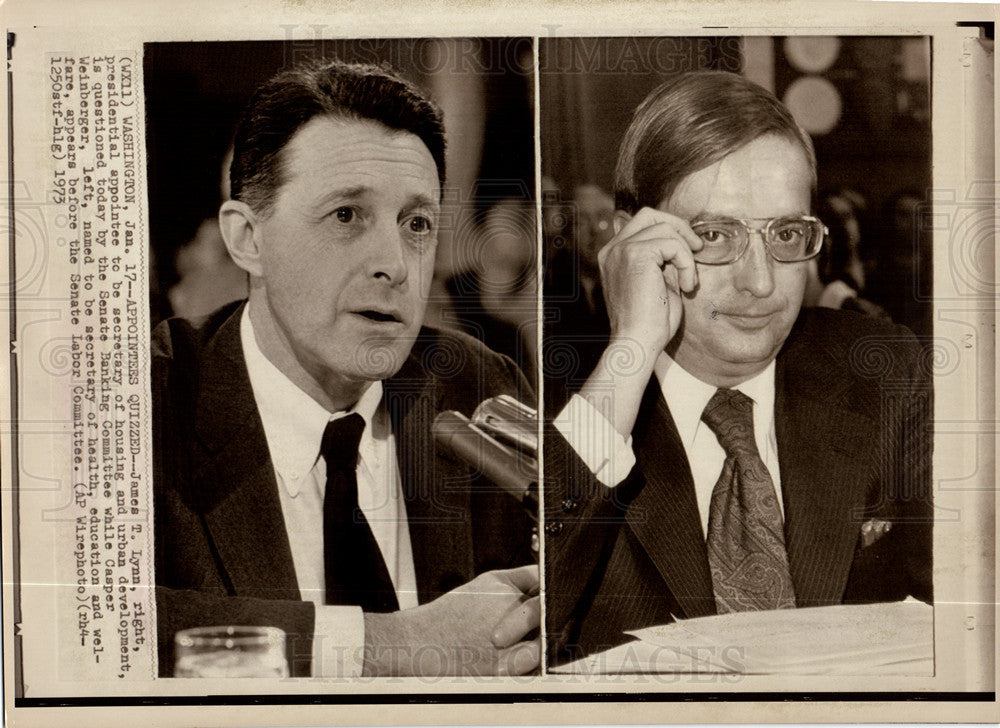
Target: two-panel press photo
column 592, row 371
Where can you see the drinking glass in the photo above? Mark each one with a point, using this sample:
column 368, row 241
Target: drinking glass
column 228, row 651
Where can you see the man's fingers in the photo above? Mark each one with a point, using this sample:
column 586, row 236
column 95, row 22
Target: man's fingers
column 647, row 218
column 687, row 270
column 523, row 578
column 516, row 623
column 663, row 248
column 679, row 229
column 649, row 224
column 520, row 659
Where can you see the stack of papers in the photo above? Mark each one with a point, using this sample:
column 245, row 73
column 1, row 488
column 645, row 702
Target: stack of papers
column 867, row 639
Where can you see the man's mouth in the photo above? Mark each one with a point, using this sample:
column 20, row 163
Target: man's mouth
column 754, row 320
column 380, row 316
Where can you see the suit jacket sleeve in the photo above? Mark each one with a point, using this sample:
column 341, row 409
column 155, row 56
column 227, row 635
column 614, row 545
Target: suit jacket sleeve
column 582, row 518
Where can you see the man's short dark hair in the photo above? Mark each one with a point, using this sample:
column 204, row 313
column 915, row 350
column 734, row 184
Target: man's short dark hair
column 689, row 123
column 284, row 104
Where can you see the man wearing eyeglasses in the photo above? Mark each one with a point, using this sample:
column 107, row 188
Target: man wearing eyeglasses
column 741, row 454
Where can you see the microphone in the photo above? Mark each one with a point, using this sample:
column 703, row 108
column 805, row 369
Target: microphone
column 500, row 441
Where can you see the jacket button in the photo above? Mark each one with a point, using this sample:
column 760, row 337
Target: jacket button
column 568, row 505
column 553, row 528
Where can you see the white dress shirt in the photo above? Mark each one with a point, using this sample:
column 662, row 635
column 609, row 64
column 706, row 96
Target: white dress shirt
column 686, row 397
column 610, row 457
column 293, row 425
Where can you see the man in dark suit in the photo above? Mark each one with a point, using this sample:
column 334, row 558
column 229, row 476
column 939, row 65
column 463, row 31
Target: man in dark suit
column 736, row 455
column 297, row 483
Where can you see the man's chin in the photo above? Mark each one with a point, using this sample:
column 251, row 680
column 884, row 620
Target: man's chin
column 751, row 355
column 377, row 359
column 728, row 362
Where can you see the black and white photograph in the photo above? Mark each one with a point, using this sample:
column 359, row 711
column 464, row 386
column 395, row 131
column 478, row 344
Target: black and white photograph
column 477, row 363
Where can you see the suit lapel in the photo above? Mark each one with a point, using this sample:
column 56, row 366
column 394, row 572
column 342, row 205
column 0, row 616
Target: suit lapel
column 823, row 474
column 436, row 490
column 234, row 476
column 664, row 514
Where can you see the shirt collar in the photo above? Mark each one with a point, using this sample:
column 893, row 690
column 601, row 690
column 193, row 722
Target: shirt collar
column 293, row 421
column 686, row 396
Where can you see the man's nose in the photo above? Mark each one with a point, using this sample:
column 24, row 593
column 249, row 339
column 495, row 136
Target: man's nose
column 756, row 269
column 387, row 260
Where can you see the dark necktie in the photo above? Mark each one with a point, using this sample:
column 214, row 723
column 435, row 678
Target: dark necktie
column 355, row 569
column 746, row 541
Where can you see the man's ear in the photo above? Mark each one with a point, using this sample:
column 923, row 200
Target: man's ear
column 620, row 220
column 241, row 230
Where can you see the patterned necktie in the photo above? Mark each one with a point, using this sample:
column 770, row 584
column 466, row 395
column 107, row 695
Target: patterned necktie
column 746, row 541
column 354, row 567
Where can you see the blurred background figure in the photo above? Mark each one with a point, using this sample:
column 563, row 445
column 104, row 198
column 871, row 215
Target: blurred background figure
column 838, row 274
column 576, row 323
column 207, row 276
column 595, row 211
column 495, row 295
column 902, row 277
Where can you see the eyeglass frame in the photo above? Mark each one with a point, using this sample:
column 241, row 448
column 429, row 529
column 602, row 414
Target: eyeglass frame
column 762, row 231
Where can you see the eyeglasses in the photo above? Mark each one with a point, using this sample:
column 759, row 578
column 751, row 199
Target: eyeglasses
column 787, row 239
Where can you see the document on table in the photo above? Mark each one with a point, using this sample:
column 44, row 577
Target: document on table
column 867, row 639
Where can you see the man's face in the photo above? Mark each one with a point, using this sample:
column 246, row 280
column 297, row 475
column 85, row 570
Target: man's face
column 346, row 254
column 740, row 314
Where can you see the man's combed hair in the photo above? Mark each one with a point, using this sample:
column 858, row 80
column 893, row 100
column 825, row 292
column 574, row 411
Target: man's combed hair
column 689, row 123
column 284, row 104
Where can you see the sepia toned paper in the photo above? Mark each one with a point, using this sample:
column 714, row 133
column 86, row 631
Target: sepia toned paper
column 79, row 613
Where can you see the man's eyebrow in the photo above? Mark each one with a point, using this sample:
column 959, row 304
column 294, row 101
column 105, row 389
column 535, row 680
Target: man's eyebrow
column 358, row 191
column 421, row 200
column 717, row 217
column 711, row 217
column 349, row 193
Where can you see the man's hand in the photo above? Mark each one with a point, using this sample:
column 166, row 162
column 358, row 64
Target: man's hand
column 645, row 269
column 477, row 629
